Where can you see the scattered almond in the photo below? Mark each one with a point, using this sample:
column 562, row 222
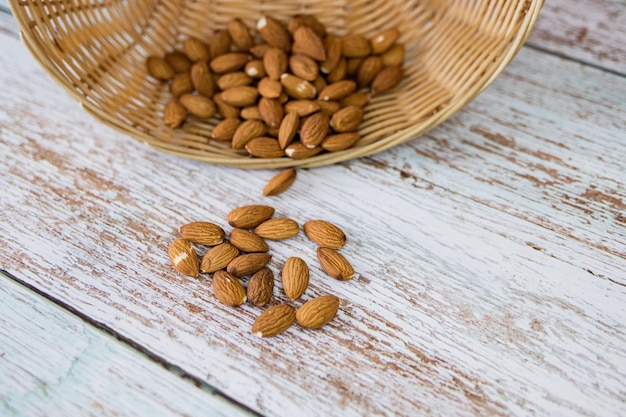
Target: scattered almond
column 198, row 105
column 247, row 241
column 228, row 289
column 297, row 88
column 218, row 257
column 387, row 79
column 324, row 233
column 261, row 287
column 277, row 229
column 295, row 277
column 280, row 182
column 225, row 130
column 394, row 56
column 317, row 312
column 158, row 68
column 255, row 69
column 306, row 20
column 247, row 217
column 270, row 88
column 368, row 70
column 251, row 112
column 183, row 257
column 247, row 264
column 274, row 320
column 335, row 264
column 203, row 233
column 264, row 147
column 233, row 79
column 302, row 107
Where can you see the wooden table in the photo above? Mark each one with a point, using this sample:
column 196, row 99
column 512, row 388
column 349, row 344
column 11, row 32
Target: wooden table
column 490, row 256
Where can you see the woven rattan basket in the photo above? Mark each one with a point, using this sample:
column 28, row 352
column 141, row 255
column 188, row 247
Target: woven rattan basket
column 97, row 49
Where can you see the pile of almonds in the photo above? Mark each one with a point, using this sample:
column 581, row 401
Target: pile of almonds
column 239, row 266
column 289, row 90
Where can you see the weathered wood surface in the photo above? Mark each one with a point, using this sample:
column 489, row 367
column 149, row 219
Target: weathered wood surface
column 54, row 364
column 490, row 252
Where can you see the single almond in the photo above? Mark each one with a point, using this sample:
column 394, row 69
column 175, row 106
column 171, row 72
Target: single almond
column 247, row 241
column 277, row 229
column 228, row 62
column 341, row 141
column 325, row 233
column 320, row 83
column 274, row 320
column 247, row 131
column 387, row 79
column 333, row 47
column 329, row 107
column 259, row 50
column 272, row 132
column 347, row 119
column 225, row 130
column 288, row 129
column 304, row 67
column 274, row 33
column 219, row 43
column 218, row 257
column 383, row 40
column 233, row 79
column 355, row 99
column 355, row 46
column 246, row 217
column 270, row 88
column 297, row 150
column 198, row 105
column 271, row 111
column 202, row 79
column 203, row 233
column 280, row 182
column 307, row 42
column 275, row 63
column 295, row 277
column 158, row 68
column 181, row 84
column 352, row 66
column 174, row 114
column 250, row 112
column 297, row 88
column 317, row 312
column 183, row 257
column 314, row 129
column 369, row 69
column 255, row 69
column 261, row 287
column 302, row 107
column 338, row 90
column 240, row 96
column 306, row 20
column 228, row 289
column 224, row 109
column 394, row 56
column 338, row 73
column 335, row 264
column 240, row 35
column 178, row 61
column 264, row 147
column 247, row 264
column 196, row 50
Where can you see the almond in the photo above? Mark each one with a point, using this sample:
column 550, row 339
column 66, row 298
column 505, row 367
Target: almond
column 250, row 112
column 183, row 257
column 270, row 88
column 355, row 46
column 320, row 83
column 274, row 320
column 383, row 40
column 302, row 107
column 295, row 276
column 347, row 119
column 387, row 79
column 246, row 217
column 317, row 312
column 261, row 287
column 228, row 289
column 325, row 234
column 271, row 111
column 233, row 79
column 288, row 128
column 247, row 131
column 174, row 114
column 264, row 147
column 202, row 79
column 218, row 257
column 178, row 61
column 225, row 129
column 314, row 129
column 297, row 150
column 224, row 109
column 297, row 88
column 304, row 67
column 333, row 47
column 272, row 132
column 231, row 61
column 198, row 105
column 335, row 264
column 259, row 50
column 341, row 141
column 255, row 69
column 352, row 66
column 329, row 107
column 307, row 42
column 219, row 43
column 280, row 182
column 158, row 68
column 247, row 241
column 337, row 90
column 369, row 69
column 196, row 50
column 240, row 35
column 247, row 264
column 274, row 33
column 306, row 20
column 240, row 96
column 275, row 63
column 339, row 72
column 277, row 229
column 181, row 84
column 394, row 56
column 355, row 99
column 203, row 233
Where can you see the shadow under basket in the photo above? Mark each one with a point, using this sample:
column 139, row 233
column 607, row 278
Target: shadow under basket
column 97, row 52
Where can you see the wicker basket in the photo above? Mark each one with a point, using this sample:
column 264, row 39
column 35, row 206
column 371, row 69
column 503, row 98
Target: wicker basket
column 97, row 51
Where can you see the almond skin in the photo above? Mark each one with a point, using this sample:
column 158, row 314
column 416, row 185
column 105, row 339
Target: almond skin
column 247, row 264
column 306, row 20
column 247, row 241
column 274, row 33
column 246, row 217
column 218, row 257
column 277, row 229
column 314, row 129
column 250, row 112
column 203, row 233
column 335, row 264
column 325, row 233
column 183, row 257
column 274, row 320
column 317, row 312
column 295, row 277
column 280, row 182
column 387, row 79
column 255, row 69
column 224, row 109
column 228, row 289
column 261, row 287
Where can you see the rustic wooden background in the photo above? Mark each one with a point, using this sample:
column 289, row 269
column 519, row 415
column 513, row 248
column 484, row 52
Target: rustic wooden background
column 490, row 256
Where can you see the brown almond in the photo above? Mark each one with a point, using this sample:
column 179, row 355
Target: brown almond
column 369, row 69
column 183, row 257
column 274, row 33
column 314, row 129
column 203, row 233
column 261, row 287
column 181, row 84
column 240, row 35
column 277, row 229
column 219, row 43
column 196, row 50
column 178, row 61
column 250, row 112
column 231, row 61
column 225, row 130
column 320, row 83
column 274, row 320
column 394, row 56
column 304, row 67
column 247, row 131
column 227, row 289
column 247, row 264
column 317, row 312
column 174, row 114
column 246, row 217
column 275, row 63
column 335, row 264
column 259, row 50
column 240, row 96
column 355, row 46
column 271, row 111
column 224, row 109
column 339, row 72
column 306, row 20
column 297, row 150
column 333, row 47
column 264, row 147
column 355, row 99
column 329, row 107
column 255, row 69
column 352, row 66
column 295, row 277
column 158, row 68
column 233, row 79
column 341, row 141
column 280, row 182
column 347, row 119
column 218, row 257
column 270, row 88
column 307, row 42
column 272, row 132
column 247, row 241
column 302, row 107
column 297, row 88
column 383, row 40
column 325, row 234
column 202, row 79
column 198, row 105
column 387, row 79
column 337, row 90
column 288, row 128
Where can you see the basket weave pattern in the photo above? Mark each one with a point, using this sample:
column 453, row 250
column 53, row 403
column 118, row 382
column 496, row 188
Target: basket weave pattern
column 97, row 51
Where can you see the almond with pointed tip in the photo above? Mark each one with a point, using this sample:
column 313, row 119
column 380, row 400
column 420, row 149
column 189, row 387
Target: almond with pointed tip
column 270, row 88
column 340, row 141
column 297, row 88
column 203, row 233
column 275, row 63
column 218, row 257
column 240, row 96
column 329, row 107
column 231, row 61
column 347, row 119
column 274, row 33
column 333, row 47
column 307, row 42
column 335, row 264
column 158, row 68
column 247, row 241
column 297, row 150
column 288, row 129
column 225, row 129
column 304, row 67
column 227, row 289
column 174, row 114
column 295, row 277
column 325, row 233
column 178, row 61
column 202, row 79
column 277, row 229
column 224, row 109
column 261, row 287
column 387, row 79
column 196, row 50
column 368, row 70
column 250, row 112
column 183, row 257
column 247, row 131
column 355, row 46
column 264, row 147
column 247, row 264
column 317, row 312
column 181, row 84
column 246, row 217
column 198, row 105
column 271, row 111
column 338, row 90
column 280, row 182
column 306, row 20
column 274, row 320
column 240, row 35
column 314, row 129
column 233, row 79
column 383, row 40
column 394, row 56
column 255, row 69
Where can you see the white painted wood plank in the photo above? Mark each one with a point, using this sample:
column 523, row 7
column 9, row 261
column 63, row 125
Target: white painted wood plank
column 54, row 364
column 452, row 309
